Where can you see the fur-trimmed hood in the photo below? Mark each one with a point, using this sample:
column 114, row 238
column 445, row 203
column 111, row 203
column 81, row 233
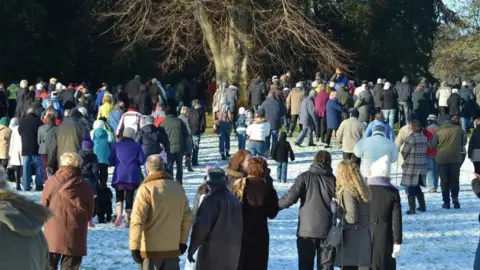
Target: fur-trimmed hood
column 22, row 215
column 157, row 176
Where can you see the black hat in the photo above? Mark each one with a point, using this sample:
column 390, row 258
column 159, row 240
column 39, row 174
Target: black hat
column 216, row 176
column 354, row 113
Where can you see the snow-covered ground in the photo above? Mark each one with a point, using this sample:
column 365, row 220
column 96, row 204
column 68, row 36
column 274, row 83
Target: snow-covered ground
column 438, row 239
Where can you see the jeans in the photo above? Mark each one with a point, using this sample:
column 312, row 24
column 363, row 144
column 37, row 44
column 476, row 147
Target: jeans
column 196, row 148
column 413, row 191
column 307, row 248
column 177, row 159
column 306, row 130
column 224, row 130
column 27, row 171
column 274, row 136
column 449, row 180
column 242, row 138
column 466, row 122
column 256, row 148
column 293, row 123
column 389, row 116
column 404, row 110
column 432, row 176
column 282, row 172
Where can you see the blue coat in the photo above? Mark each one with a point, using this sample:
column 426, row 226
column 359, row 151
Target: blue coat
column 127, row 156
column 99, row 99
column 388, row 130
column 114, row 119
column 274, row 111
column 373, row 148
column 101, row 145
column 56, row 104
column 334, row 114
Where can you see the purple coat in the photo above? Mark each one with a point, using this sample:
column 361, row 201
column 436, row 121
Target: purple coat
column 321, row 103
column 127, row 156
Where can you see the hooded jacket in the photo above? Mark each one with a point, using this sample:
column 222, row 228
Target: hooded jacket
column 102, row 146
column 388, row 130
column 372, row 148
column 283, row 150
column 150, row 137
column 274, row 111
column 443, row 93
column 256, row 92
column 315, row 189
column 23, row 243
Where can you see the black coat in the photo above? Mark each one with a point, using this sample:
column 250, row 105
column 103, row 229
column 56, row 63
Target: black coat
column 454, row 103
column 144, row 102
column 376, row 91
column 68, row 99
column 385, row 225
column 132, row 88
column 421, row 101
column 177, row 134
column 124, row 98
column 89, row 166
column 150, row 137
column 28, row 129
column 468, row 102
column 197, row 121
column 216, row 231
column 315, row 188
column 3, row 98
column 259, row 202
column 389, row 99
column 283, row 150
column 256, row 92
column 404, row 91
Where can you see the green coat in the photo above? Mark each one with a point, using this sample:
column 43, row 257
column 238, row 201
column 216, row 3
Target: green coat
column 448, row 140
column 23, row 244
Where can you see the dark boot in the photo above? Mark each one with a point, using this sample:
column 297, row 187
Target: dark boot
column 39, row 188
column 227, row 154
column 446, row 199
column 411, row 205
column 422, row 207
column 455, row 191
column 188, row 163
column 224, row 157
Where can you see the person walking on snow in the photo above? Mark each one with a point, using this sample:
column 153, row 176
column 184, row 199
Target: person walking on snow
column 349, row 133
column 379, row 121
column 308, row 119
column 280, row 154
column 275, row 110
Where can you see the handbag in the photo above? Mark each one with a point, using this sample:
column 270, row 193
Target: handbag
column 335, row 235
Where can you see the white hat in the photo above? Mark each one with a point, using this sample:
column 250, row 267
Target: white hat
column 58, row 86
column 314, row 84
column 379, row 168
column 83, row 111
column 379, row 81
column 464, row 83
column 39, row 86
column 241, row 110
column 129, row 132
column 274, row 78
column 387, row 86
column 299, row 85
column 454, row 90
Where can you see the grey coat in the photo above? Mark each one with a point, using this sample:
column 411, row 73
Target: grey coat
column 414, row 153
column 356, row 249
column 349, row 133
column 307, row 111
column 189, row 146
column 365, row 105
column 44, row 137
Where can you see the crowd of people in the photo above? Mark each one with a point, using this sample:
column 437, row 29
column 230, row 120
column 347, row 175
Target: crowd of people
column 69, row 136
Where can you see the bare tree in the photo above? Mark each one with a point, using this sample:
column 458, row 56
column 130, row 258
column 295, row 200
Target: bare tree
column 240, row 37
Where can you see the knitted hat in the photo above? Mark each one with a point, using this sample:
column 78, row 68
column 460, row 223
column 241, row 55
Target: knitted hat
column 241, row 110
column 87, row 144
column 129, row 132
column 379, row 168
column 314, row 84
column 83, row 111
column 260, row 112
column 432, row 117
column 216, row 176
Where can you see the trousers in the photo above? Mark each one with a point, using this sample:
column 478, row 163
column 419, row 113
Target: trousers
column 449, row 180
column 66, row 262
column 308, row 248
column 175, row 158
column 160, row 264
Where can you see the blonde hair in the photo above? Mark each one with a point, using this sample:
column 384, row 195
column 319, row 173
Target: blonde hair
column 49, row 112
column 349, row 178
column 107, row 98
column 70, row 159
column 184, row 110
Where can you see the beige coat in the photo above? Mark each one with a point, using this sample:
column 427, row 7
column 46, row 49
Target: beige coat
column 294, row 100
column 5, row 134
column 161, row 217
column 349, row 133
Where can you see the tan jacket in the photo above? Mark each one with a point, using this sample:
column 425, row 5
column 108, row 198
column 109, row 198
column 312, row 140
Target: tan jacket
column 349, row 133
column 5, row 134
column 402, row 136
column 294, row 100
column 161, row 217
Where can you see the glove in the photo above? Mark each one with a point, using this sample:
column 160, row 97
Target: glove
column 182, row 248
column 136, row 256
column 396, row 250
column 190, row 258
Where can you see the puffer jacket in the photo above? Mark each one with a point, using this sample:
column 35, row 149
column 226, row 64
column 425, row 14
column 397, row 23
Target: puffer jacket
column 259, row 130
column 150, row 137
column 89, row 166
column 177, row 134
column 102, row 146
column 443, row 93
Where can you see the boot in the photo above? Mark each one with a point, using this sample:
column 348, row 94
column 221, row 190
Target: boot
column 128, row 213
column 227, row 154
column 456, row 204
column 446, row 199
column 422, row 207
column 119, row 209
column 188, row 163
column 224, row 157
column 411, row 205
column 454, row 191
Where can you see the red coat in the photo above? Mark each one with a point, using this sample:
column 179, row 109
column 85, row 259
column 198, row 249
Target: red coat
column 429, row 134
column 321, row 103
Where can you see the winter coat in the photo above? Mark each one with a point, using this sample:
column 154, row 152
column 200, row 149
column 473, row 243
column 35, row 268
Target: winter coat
column 177, row 134
column 321, row 100
column 44, row 137
column 23, row 243
column 231, row 95
column 197, row 121
column 443, row 93
column 274, row 111
column 28, row 130
column 161, row 218
column 372, row 148
column 15, row 151
column 102, row 146
column 474, row 145
column 468, row 102
column 259, row 130
column 232, row 176
column 431, row 153
column 294, row 100
column 68, row 99
column 144, row 102
column 154, row 91
column 349, row 133
column 241, row 123
column 389, row 99
column 217, row 238
column 3, row 98
column 421, row 101
column 315, row 189
column 344, row 97
column 70, row 198
column 376, row 91
column 259, row 201
column 388, row 130
column 414, row 154
column 283, row 150
column 334, row 114
column 67, row 139
column 356, row 249
column 127, row 156
column 404, row 91
column 114, row 118
column 104, row 110
column 130, row 119
column 365, row 105
column 385, row 223
column 150, row 137
column 448, row 142
column 454, row 103
column 89, row 166
column 5, row 136
column 132, row 88
column 307, row 112
column 256, row 92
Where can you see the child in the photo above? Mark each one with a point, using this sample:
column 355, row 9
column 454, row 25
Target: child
column 249, row 119
column 280, row 154
column 90, row 169
column 241, row 128
column 103, row 204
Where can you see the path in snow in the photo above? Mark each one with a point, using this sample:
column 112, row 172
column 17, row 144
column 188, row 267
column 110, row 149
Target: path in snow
column 438, row 239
